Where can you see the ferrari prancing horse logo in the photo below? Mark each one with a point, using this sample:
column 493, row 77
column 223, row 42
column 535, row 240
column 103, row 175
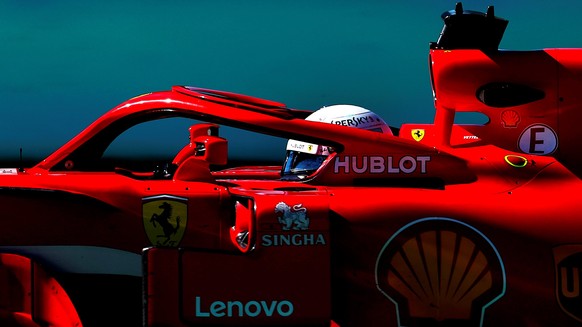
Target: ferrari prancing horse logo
column 164, row 219
column 417, row 134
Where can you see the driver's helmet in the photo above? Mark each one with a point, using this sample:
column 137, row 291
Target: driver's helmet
column 304, row 158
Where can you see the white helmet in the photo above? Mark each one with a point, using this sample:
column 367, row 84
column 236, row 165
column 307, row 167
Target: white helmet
column 304, row 158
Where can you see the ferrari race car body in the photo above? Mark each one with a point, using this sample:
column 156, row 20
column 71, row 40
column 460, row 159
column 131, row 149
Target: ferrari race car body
column 441, row 225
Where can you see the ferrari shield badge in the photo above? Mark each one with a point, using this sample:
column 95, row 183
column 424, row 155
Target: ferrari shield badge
column 568, row 265
column 417, row 134
column 164, row 219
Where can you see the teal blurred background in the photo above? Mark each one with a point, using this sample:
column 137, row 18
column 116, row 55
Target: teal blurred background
column 64, row 63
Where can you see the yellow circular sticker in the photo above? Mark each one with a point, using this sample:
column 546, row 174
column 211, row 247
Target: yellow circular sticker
column 516, row 161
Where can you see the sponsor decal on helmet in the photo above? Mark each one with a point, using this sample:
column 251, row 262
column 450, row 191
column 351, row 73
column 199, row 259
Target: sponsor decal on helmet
column 568, row 268
column 417, row 134
column 227, row 309
column 538, row 139
column 364, row 120
column 164, row 219
column 440, row 271
column 291, row 219
column 305, row 147
column 381, row 165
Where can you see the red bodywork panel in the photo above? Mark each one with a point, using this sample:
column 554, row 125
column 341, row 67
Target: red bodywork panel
column 31, row 297
column 250, row 293
column 443, row 224
column 543, row 124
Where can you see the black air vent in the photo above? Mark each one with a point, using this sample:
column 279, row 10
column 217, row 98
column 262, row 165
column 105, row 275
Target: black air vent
column 501, row 95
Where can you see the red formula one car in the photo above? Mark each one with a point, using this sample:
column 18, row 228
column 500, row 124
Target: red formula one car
column 436, row 225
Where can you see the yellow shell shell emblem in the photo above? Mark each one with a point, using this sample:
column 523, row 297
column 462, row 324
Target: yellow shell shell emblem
column 440, row 270
column 164, row 219
column 417, row 134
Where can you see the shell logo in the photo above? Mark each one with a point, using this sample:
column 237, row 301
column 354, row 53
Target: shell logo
column 440, row 271
column 510, row 118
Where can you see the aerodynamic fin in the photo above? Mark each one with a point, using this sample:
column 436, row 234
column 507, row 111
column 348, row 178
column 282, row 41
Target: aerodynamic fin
column 530, row 98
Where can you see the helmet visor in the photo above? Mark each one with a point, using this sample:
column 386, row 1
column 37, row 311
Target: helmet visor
column 301, row 164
